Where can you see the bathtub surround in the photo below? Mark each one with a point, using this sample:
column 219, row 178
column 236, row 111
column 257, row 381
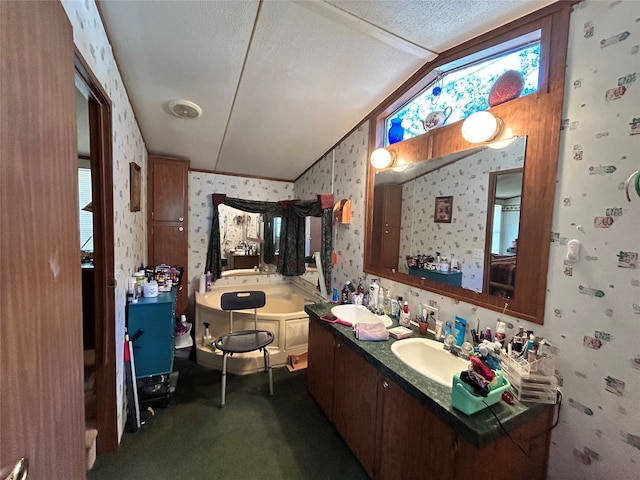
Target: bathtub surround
column 598, row 336
column 283, row 315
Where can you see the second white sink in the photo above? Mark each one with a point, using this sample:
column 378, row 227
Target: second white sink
column 429, row 358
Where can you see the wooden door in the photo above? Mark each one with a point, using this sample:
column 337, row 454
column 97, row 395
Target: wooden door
column 320, row 369
column 354, row 412
column 41, row 396
column 167, row 220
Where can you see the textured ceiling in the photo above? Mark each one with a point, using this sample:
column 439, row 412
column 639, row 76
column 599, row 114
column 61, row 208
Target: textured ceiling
column 279, row 82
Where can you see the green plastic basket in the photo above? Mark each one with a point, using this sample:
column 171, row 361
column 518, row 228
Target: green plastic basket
column 463, row 399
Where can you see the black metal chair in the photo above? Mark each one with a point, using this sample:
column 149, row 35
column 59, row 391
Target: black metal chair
column 245, row 340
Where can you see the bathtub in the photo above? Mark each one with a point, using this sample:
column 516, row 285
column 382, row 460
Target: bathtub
column 283, row 315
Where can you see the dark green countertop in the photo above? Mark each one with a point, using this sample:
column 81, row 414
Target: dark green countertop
column 480, row 429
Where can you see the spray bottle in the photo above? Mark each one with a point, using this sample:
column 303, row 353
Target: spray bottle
column 206, row 336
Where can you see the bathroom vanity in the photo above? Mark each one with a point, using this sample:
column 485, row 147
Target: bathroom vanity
column 399, row 424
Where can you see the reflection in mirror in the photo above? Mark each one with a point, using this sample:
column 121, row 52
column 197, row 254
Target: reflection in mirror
column 241, row 242
column 241, row 235
column 452, row 250
column 506, row 190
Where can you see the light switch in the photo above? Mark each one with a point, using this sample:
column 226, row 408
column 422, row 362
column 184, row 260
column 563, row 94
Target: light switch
column 478, row 253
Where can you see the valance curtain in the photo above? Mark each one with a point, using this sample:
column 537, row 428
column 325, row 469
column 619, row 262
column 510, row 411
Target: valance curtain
column 291, row 260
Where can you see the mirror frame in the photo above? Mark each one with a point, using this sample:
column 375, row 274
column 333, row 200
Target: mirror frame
column 538, row 116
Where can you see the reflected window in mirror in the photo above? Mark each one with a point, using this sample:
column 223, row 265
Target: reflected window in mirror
column 465, row 86
column 505, row 194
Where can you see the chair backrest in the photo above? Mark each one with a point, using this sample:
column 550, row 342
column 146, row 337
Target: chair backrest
column 243, row 301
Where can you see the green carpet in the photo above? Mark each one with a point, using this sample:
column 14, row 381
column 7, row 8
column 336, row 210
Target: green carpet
column 255, row 436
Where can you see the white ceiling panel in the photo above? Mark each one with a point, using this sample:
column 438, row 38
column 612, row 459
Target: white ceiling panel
column 308, row 81
column 170, row 50
column 279, row 81
column 439, row 24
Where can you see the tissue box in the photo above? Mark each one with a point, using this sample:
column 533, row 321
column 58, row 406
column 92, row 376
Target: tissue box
column 463, row 399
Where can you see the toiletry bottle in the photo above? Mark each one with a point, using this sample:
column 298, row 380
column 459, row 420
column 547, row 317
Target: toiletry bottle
column 405, row 317
column 374, row 289
column 344, row 299
column 203, row 284
column 500, row 331
column 399, row 308
column 459, row 330
column 380, row 302
column 395, row 308
column 206, row 336
column 208, row 281
column 387, row 302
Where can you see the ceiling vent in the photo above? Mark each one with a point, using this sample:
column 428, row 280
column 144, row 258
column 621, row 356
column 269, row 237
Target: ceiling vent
column 185, row 109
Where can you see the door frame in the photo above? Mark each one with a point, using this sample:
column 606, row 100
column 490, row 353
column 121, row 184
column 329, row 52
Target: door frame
column 101, row 158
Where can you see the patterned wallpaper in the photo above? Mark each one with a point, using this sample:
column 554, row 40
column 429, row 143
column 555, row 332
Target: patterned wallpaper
column 130, row 242
column 467, row 180
column 592, row 307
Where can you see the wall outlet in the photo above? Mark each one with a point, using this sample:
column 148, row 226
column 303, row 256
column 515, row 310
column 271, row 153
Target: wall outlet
column 478, row 253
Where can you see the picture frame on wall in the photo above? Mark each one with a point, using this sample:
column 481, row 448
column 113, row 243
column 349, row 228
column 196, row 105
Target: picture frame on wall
column 444, row 208
column 136, row 184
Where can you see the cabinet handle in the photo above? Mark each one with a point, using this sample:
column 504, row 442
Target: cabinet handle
column 338, row 345
column 385, row 384
column 180, row 229
column 180, row 219
column 386, row 231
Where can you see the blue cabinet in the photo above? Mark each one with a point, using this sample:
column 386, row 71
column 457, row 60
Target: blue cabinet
column 151, row 327
column 448, row 278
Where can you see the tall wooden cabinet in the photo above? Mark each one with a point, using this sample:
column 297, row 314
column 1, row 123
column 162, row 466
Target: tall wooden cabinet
column 167, row 217
column 387, row 209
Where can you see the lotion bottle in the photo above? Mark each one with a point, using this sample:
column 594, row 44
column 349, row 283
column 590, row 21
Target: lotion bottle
column 374, row 290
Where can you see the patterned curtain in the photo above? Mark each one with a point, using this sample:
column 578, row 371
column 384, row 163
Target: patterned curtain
column 268, row 247
column 291, row 257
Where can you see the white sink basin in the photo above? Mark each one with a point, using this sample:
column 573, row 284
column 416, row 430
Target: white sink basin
column 429, row 358
column 359, row 314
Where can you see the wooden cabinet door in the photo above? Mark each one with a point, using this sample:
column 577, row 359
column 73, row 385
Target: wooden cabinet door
column 167, row 222
column 387, row 214
column 168, row 183
column 41, row 395
column 354, row 410
column 320, row 367
column 413, row 442
column 389, row 247
column 388, row 204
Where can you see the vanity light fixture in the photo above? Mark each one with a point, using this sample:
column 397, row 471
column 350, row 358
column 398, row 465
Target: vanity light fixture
column 382, row 158
column 481, row 127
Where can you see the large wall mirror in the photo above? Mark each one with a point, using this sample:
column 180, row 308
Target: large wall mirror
column 496, row 204
column 242, row 235
column 483, row 188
